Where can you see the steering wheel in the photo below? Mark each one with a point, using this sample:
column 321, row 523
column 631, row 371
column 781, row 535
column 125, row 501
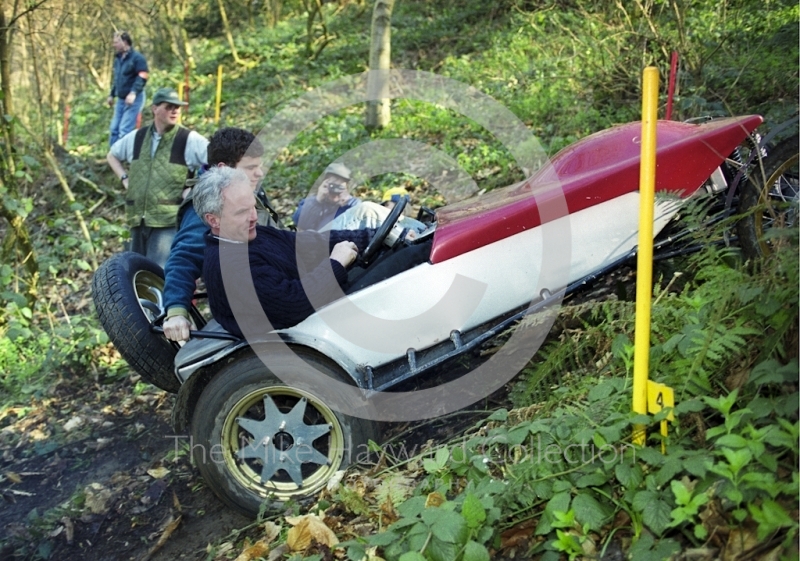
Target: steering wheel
column 383, row 230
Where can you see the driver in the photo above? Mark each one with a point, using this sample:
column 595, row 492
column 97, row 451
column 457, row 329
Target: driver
column 224, row 200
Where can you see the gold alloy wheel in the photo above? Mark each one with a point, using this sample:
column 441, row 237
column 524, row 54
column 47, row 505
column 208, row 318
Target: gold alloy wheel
column 281, row 442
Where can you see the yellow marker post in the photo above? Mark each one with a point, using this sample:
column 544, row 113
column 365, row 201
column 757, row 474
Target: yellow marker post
column 644, row 262
column 219, row 94
column 180, row 96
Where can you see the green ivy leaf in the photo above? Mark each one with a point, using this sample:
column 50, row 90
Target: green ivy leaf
column 595, row 479
column 518, row 435
column 697, row 465
column 499, row 415
column 543, row 489
column 411, row 508
column 682, row 494
column 382, row 539
column 439, row 550
column 601, row 391
column 671, row 467
column 559, row 503
column 473, row 512
column 450, row 527
column 588, row 511
column 693, row 405
column 412, row 556
column 770, row 517
column 475, row 552
column 657, row 515
column 650, row 456
column 628, row 475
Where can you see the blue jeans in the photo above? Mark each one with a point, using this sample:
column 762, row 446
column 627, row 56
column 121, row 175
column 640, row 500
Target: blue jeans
column 124, row 119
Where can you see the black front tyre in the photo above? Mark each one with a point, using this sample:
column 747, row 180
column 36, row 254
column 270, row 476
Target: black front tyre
column 127, row 291
column 769, row 200
column 257, row 440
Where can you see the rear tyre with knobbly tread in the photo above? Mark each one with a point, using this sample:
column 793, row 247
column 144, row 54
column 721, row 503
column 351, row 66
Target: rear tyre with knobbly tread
column 769, row 199
column 126, row 290
column 259, row 442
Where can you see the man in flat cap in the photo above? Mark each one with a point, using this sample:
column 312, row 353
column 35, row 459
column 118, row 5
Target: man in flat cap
column 160, row 157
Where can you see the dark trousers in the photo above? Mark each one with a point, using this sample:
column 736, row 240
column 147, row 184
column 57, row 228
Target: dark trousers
column 153, row 243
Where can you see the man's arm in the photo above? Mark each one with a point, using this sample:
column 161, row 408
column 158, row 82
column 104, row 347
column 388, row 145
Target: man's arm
column 119, row 170
column 184, row 266
column 196, row 152
column 140, row 66
column 121, row 151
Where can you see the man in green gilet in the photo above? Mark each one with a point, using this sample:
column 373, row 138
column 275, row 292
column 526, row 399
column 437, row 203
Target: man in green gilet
column 160, row 157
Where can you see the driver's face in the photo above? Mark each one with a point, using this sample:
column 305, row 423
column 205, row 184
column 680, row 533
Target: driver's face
column 238, row 218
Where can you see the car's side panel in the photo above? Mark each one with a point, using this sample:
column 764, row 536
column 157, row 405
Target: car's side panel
column 592, row 171
column 421, row 307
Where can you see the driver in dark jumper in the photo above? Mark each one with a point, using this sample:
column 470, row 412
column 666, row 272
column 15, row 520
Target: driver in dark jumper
column 224, row 200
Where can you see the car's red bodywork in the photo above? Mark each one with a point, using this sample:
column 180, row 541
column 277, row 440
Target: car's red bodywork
column 595, row 169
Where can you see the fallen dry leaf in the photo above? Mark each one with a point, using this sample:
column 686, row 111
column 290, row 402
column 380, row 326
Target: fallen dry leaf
column 334, row 481
column 739, row 540
column 158, row 473
column 69, row 527
column 517, row 535
column 97, row 498
column 308, row 528
column 258, row 549
column 13, row 477
column 169, row 527
column 73, row 423
column 221, row 550
column 434, row 499
column 271, row 531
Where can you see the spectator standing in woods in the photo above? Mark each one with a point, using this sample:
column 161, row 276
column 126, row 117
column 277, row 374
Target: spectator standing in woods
column 162, row 157
column 127, row 86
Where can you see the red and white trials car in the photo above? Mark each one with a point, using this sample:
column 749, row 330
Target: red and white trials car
column 275, row 417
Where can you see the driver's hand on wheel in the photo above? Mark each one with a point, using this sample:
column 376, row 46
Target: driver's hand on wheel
column 177, row 328
column 344, row 252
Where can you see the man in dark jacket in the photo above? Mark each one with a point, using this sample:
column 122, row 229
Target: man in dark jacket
column 232, row 147
column 224, row 199
column 127, row 86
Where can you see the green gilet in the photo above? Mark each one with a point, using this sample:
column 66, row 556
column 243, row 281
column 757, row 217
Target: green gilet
column 156, row 182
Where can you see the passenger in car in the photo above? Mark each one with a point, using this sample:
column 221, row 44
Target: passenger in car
column 293, row 273
column 332, row 207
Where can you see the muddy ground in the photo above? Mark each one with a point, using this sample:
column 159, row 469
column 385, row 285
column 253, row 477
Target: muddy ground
column 91, row 473
column 95, row 472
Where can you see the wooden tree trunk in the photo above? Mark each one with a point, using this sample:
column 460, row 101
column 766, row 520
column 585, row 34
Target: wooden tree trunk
column 228, row 33
column 379, row 109
column 5, row 75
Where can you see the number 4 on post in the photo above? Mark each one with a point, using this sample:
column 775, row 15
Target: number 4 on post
column 660, row 396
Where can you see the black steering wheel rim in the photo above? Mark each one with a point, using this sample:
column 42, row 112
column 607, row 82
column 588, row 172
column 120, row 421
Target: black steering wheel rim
column 383, row 230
